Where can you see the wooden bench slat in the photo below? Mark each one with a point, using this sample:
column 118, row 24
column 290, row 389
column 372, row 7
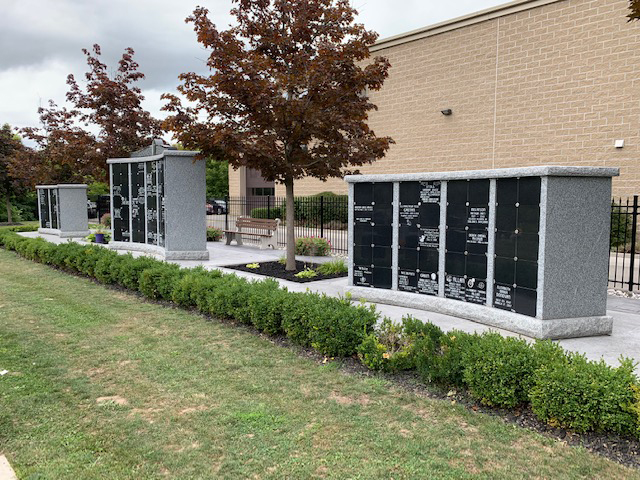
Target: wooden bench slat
column 265, row 224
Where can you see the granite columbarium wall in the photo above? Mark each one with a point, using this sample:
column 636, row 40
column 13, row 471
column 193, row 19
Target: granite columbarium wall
column 524, row 249
column 62, row 210
column 158, row 203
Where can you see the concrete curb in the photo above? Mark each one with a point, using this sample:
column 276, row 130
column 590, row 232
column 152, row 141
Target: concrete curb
column 6, row 472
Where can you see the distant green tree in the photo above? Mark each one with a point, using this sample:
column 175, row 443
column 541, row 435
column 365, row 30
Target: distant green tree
column 217, row 178
column 96, row 189
column 10, row 183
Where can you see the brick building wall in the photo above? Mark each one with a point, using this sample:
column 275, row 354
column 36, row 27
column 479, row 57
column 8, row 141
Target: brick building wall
column 534, row 82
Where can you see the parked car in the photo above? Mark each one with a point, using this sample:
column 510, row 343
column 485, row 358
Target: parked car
column 216, row 207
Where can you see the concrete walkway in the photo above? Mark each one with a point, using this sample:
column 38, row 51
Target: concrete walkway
column 625, row 339
column 6, row 472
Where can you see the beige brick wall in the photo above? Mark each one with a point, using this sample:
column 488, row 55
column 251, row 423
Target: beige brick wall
column 556, row 84
column 236, row 182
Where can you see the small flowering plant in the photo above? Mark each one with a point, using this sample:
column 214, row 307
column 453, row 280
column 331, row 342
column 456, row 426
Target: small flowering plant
column 313, row 246
column 306, row 273
column 253, row 265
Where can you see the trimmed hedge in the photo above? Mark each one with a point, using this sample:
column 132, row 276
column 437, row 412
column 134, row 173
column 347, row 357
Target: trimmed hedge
column 333, row 326
column 563, row 389
column 583, row 395
column 499, row 371
column 270, row 213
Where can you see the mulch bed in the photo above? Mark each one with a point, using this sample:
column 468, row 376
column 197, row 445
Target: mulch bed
column 276, row 269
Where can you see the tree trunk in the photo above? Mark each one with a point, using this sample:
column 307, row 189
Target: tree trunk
column 291, row 234
column 8, row 203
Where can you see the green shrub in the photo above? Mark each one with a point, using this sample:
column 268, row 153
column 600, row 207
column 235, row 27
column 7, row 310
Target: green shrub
column 584, row 395
column 337, row 328
column 309, row 212
column 266, row 305
column 635, row 407
column 231, row 299
column 621, row 226
column 440, row 359
column 333, row 267
column 89, row 257
column 193, row 288
column 297, row 310
column 213, row 234
column 391, row 347
column 333, row 326
column 130, row 269
column 498, row 370
column 313, row 246
column 12, row 230
column 65, row 256
column 32, row 249
column 107, row 269
column 270, row 213
column 373, row 354
column 158, row 282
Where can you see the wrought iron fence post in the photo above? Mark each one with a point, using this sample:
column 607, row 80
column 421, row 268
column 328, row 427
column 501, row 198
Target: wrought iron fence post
column 321, row 216
column 269, row 206
column 227, row 200
column 634, row 233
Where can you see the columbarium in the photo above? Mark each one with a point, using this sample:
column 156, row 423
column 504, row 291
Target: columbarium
column 158, row 203
column 62, row 210
column 524, row 249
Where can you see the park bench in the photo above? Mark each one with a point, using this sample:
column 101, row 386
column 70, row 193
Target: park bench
column 266, row 230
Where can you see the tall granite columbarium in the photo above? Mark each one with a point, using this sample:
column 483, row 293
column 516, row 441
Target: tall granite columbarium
column 524, row 249
column 62, row 210
column 158, row 203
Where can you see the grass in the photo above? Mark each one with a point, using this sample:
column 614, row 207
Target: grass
column 102, row 385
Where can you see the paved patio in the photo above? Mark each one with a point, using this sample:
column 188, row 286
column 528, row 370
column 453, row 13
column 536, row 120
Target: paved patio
column 625, row 339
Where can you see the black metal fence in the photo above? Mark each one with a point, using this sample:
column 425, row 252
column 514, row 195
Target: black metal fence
column 324, row 216
column 624, row 259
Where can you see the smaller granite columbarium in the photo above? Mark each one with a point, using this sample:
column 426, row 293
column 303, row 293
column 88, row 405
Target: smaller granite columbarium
column 524, row 249
column 62, row 210
column 158, row 203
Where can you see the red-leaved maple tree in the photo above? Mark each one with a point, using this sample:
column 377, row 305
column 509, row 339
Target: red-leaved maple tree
column 634, row 6
column 113, row 102
column 65, row 151
column 287, row 94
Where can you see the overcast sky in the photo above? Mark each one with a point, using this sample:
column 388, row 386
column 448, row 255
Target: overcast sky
column 41, row 41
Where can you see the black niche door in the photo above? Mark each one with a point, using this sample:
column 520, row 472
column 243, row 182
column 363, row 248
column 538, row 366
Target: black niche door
column 120, row 191
column 419, row 237
column 372, row 234
column 516, row 253
column 151, row 185
column 43, row 197
column 55, row 208
column 467, row 240
column 138, row 222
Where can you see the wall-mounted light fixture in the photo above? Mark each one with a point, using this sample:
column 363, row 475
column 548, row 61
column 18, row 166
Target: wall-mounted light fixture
column 619, row 144
column 446, row 112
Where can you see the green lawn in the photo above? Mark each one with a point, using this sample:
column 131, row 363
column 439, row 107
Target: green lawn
column 102, row 385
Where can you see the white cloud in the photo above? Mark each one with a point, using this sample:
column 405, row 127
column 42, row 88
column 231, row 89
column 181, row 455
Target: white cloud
column 41, row 41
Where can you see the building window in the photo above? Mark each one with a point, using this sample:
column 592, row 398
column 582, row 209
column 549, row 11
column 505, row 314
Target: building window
column 263, row 192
